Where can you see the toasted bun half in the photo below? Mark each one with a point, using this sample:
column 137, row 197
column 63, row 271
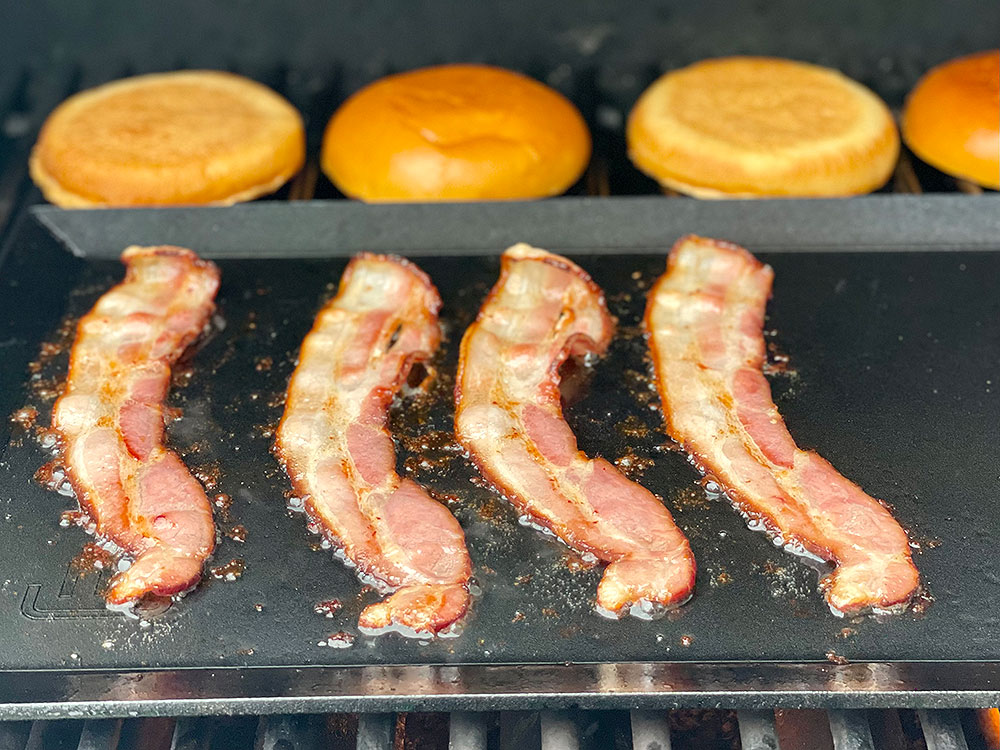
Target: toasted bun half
column 952, row 118
column 191, row 137
column 762, row 127
column 455, row 132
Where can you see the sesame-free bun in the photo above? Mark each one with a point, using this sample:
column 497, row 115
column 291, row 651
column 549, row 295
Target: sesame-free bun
column 191, row 137
column 455, row 132
column 952, row 118
column 747, row 127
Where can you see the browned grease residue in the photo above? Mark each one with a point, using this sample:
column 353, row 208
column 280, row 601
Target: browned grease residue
column 834, row 658
column 51, row 475
column 229, row 571
column 328, row 608
column 263, row 364
column 632, row 464
column 633, row 427
column 25, row 417
column 687, row 640
column 237, row 533
column 689, row 497
column 92, row 558
column 208, row 475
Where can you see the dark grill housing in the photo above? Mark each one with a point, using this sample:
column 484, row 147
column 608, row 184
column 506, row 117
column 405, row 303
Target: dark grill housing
column 601, row 58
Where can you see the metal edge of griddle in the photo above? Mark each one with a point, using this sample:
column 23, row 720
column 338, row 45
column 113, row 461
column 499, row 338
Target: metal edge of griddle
column 581, row 225
column 48, row 694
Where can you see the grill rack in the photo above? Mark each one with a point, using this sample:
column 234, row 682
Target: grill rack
column 636, row 730
column 26, row 97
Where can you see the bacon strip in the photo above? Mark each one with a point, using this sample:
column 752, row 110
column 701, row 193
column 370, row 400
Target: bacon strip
column 138, row 493
column 335, row 447
column 542, row 310
column 705, row 318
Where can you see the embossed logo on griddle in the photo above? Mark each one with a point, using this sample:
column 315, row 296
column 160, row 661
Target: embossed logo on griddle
column 78, row 597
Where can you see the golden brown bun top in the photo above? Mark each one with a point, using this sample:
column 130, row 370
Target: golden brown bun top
column 170, row 138
column 455, row 132
column 952, row 118
column 762, row 126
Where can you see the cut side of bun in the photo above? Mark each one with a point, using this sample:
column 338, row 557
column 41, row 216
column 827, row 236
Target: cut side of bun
column 191, row 137
column 762, row 127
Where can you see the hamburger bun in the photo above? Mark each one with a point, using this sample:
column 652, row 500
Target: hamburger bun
column 455, row 132
column 952, row 118
column 762, row 127
column 192, row 137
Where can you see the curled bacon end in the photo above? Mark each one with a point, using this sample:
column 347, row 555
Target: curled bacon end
column 508, row 415
column 139, row 494
column 338, row 453
column 427, row 608
column 705, row 319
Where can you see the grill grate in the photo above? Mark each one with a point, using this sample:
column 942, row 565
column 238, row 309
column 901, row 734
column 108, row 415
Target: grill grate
column 582, row 730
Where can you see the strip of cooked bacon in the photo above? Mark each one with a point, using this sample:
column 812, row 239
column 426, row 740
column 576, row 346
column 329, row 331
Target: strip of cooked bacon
column 509, row 416
column 705, row 319
column 337, row 451
column 138, row 493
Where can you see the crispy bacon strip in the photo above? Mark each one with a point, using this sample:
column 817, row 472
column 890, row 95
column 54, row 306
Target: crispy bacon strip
column 509, row 417
column 705, row 318
column 138, row 493
column 335, row 447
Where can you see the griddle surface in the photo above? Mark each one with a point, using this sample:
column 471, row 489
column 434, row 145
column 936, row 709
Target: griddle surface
column 894, row 377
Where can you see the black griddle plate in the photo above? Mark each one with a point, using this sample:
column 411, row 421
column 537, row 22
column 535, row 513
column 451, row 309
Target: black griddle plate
column 894, row 376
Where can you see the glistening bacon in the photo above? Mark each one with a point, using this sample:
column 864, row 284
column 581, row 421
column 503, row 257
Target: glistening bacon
column 542, row 310
column 705, row 318
column 335, row 447
column 138, row 493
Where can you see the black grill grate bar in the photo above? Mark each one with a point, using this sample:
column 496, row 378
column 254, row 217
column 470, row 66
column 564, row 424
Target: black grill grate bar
column 100, row 734
column 757, row 730
column 850, row 730
column 942, row 730
column 547, row 730
column 467, row 731
column 376, row 732
column 651, row 731
column 192, row 734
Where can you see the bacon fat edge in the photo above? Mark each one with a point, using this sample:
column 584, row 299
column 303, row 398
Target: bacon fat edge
column 338, row 453
column 138, row 493
column 542, row 310
column 705, row 320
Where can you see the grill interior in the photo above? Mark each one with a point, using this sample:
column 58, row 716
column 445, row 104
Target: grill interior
column 711, row 729
column 26, row 96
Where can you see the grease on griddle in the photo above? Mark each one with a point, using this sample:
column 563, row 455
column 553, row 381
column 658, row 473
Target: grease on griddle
column 25, row 417
column 834, row 658
column 263, row 364
column 223, row 503
column 93, row 558
column 237, row 533
column 230, row 571
column 340, row 639
column 632, row 465
column 633, row 427
column 328, row 608
column 52, row 476
column 209, row 475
